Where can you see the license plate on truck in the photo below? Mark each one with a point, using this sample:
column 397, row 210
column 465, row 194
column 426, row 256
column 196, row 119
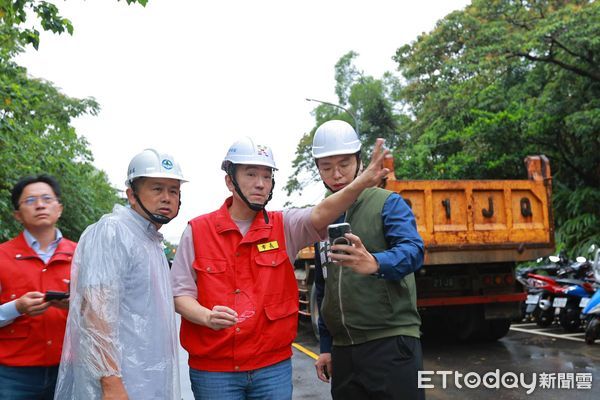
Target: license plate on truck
column 443, row 283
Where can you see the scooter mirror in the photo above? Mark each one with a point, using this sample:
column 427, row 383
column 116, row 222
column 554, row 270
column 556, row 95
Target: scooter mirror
column 554, row 258
column 581, row 259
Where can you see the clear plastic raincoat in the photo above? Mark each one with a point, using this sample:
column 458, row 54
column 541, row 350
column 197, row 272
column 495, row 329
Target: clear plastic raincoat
column 121, row 316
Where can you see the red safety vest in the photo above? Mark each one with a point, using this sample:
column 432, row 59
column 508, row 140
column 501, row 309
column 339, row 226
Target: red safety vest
column 33, row 341
column 252, row 275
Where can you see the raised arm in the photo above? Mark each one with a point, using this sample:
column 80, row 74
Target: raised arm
column 333, row 206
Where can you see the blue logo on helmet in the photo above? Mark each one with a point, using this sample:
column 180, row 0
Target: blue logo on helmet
column 167, row 164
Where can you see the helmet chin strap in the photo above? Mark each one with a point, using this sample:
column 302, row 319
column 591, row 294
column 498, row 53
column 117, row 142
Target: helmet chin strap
column 253, row 206
column 157, row 218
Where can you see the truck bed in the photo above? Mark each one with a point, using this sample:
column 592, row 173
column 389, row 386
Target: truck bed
column 481, row 221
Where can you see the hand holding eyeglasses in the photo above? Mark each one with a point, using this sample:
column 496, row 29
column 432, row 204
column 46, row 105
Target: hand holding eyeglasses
column 221, row 317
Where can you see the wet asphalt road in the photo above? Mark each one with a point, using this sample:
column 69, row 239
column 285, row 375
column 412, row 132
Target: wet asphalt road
column 565, row 364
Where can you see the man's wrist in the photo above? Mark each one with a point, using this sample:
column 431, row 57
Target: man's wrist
column 113, row 387
column 377, row 267
column 19, row 307
column 110, row 380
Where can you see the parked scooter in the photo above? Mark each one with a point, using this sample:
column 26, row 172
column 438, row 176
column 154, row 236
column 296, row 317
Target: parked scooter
column 591, row 312
column 544, row 314
column 568, row 305
column 542, row 290
column 576, row 281
column 534, row 289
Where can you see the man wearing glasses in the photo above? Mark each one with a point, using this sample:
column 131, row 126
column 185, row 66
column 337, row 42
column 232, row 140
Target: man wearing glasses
column 234, row 282
column 37, row 261
column 369, row 326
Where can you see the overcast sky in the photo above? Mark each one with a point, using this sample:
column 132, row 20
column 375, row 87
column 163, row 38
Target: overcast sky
column 189, row 77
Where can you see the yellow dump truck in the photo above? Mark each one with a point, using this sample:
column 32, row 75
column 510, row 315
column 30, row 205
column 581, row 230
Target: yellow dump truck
column 475, row 231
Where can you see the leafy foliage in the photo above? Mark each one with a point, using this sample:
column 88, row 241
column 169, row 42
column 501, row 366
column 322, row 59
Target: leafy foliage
column 367, row 99
column 489, row 85
column 16, row 31
column 170, row 250
column 501, row 80
column 36, row 135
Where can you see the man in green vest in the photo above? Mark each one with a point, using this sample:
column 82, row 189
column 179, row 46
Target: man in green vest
column 369, row 326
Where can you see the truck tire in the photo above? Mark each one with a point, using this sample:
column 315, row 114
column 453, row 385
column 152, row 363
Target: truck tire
column 496, row 329
column 314, row 310
column 465, row 324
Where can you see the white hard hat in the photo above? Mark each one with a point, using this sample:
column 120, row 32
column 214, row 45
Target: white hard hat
column 244, row 151
column 334, row 138
column 152, row 164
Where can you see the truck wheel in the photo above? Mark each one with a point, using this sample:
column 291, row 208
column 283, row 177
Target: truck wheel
column 465, row 324
column 496, row 329
column 314, row 310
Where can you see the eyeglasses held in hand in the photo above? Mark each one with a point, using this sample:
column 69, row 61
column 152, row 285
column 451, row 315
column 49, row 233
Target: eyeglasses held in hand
column 245, row 315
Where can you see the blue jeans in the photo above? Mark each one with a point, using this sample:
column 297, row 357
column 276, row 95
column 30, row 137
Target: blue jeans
column 27, row 383
column 269, row 383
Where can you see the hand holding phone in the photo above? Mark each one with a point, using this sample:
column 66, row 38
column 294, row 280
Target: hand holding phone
column 336, row 234
column 52, row 295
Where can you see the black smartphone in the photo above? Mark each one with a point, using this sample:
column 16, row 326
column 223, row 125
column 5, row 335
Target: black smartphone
column 51, row 295
column 337, row 231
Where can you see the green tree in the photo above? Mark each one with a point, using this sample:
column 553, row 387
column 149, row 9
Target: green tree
column 368, row 99
column 36, row 135
column 489, row 85
column 503, row 79
column 170, row 251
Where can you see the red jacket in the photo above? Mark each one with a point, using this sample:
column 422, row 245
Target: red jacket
column 33, row 341
column 252, row 275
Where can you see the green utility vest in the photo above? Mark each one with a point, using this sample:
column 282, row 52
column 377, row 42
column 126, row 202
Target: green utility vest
column 360, row 308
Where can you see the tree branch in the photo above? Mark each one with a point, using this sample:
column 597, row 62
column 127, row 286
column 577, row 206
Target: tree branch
column 585, row 177
column 579, row 71
column 574, row 54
